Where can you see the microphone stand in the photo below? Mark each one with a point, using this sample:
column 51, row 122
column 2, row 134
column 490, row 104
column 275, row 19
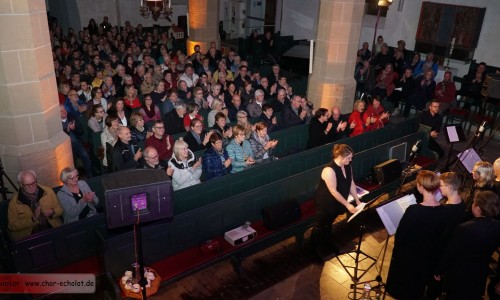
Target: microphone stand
column 407, row 172
column 480, row 151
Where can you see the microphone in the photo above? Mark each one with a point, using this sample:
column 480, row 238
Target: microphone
column 414, row 150
column 481, row 129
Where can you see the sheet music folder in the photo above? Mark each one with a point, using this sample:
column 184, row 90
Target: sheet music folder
column 392, row 212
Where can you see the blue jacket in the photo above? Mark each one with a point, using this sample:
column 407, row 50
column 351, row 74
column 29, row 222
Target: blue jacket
column 238, row 153
column 212, row 164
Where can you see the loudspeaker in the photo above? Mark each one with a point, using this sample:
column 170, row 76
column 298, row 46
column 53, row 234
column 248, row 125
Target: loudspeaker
column 388, row 171
column 142, row 195
column 280, row 214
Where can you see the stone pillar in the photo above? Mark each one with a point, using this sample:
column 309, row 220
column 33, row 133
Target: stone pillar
column 31, row 135
column 339, row 26
column 203, row 24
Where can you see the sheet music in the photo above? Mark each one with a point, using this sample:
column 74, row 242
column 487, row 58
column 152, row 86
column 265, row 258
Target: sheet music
column 359, row 209
column 392, row 212
column 452, row 134
column 360, row 191
column 469, row 158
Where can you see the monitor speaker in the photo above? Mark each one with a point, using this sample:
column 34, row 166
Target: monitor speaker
column 139, row 195
column 388, row 171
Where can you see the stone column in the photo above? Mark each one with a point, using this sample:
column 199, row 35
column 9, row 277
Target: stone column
column 31, row 135
column 339, row 26
column 203, row 24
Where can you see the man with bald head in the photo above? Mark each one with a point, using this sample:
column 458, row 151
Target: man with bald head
column 340, row 128
column 125, row 154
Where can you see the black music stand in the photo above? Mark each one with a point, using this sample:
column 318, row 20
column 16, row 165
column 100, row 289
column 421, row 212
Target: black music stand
column 358, row 255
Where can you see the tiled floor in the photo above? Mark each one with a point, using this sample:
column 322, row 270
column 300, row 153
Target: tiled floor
column 286, row 271
column 331, row 281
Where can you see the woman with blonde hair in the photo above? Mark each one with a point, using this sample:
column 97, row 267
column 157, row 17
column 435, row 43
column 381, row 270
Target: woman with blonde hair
column 356, row 118
column 242, row 120
column 185, row 166
column 483, row 176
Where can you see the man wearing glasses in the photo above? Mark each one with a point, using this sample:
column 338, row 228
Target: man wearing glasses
column 163, row 143
column 434, row 120
column 34, row 208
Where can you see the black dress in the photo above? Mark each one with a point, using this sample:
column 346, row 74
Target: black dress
column 326, row 205
column 416, row 251
column 467, row 258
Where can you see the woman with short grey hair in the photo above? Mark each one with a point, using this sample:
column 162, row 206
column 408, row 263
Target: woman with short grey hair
column 76, row 197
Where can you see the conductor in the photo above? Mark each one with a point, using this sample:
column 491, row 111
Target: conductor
column 331, row 198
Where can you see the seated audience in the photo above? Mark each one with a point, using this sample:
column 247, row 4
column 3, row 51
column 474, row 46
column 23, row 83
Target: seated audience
column 472, row 84
column 192, row 110
column 96, row 121
column 385, row 82
column 186, row 168
column 74, row 130
column 108, row 140
column 363, row 74
column 416, row 245
column 125, row 155
column 34, row 208
column 381, row 59
column 162, row 142
column 375, row 116
column 98, row 99
column 293, row 114
column 242, row 120
column 319, row 129
column 356, row 118
column 216, row 161
column 217, row 107
column 220, row 127
column 262, row 146
column 73, row 105
column 255, row 107
column 123, row 112
column 131, row 100
column 466, row 261
column 404, row 88
column 234, row 107
column 150, row 112
column 76, row 197
column 197, row 138
column 434, row 120
column 445, row 93
column 280, row 101
column 138, row 130
column 422, row 94
column 364, row 52
column 426, row 65
column 174, row 120
column 240, row 150
column 340, row 127
column 269, row 118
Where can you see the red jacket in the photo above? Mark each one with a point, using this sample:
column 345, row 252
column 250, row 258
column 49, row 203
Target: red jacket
column 372, row 112
column 360, row 125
